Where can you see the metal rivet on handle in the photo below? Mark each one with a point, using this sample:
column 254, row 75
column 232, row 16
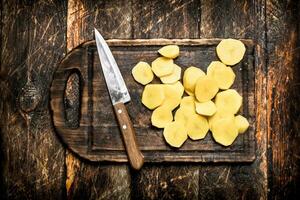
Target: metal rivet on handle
column 119, row 111
column 124, row 126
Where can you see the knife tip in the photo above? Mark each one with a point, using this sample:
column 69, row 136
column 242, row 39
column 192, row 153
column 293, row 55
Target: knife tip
column 95, row 30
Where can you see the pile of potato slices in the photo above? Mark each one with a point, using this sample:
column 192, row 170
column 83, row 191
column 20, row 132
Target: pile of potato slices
column 210, row 104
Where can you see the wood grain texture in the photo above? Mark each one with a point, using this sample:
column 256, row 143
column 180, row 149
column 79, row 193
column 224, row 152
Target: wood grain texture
column 32, row 44
column 165, row 19
column 3, row 188
column 283, row 39
column 87, row 180
column 246, row 20
column 222, row 18
column 166, row 181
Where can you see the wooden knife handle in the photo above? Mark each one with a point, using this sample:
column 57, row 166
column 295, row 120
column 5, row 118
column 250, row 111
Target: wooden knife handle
column 135, row 156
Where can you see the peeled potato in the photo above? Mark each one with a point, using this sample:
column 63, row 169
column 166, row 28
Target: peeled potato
column 222, row 74
column 169, row 51
column 224, row 131
column 162, row 66
column 206, row 88
column 228, row 101
column 206, row 108
column 161, row 116
column 218, row 115
column 197, row 127
column 190, row 78
column 178, row 87
column 142, row 73
column 188, row 102
column 172, row 78
column 182, row 114
column 241, row 123
column 190, row 120
column 173, row 94
column 231, row 51
column 175, row 134
column 172, row 102
column 153, row 95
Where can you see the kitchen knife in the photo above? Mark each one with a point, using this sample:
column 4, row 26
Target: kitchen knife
column 119, row 95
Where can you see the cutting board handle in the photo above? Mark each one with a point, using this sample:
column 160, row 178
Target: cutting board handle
column 66, row 123
column 76, row 123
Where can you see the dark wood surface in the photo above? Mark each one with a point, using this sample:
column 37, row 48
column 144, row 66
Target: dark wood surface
column 96, row 136
column 35, row 36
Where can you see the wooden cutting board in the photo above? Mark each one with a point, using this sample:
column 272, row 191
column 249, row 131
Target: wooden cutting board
column 83, row 116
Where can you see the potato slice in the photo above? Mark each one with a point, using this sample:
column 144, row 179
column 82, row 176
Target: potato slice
column 189, row 103
column 142, row 73
column 228, row 101
column 162, row 66
column 178, row 87
column 206, row 108
column 175, row 134
column 172, row 78
column 153, row 95
column 161, row 116
column 241, row 123
column 169, row 51
column 182, row 114
column 190, row 78
column 218, row 115
column 197, row 127
column 173, row 94
column 224, row 131
column 222, row 74
column 231, row 51
column 172, row 102
column 206, row 88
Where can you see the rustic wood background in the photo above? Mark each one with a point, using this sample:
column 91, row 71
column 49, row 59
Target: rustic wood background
column 35, row 35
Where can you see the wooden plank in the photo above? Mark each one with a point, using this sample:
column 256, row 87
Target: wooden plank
column 3, row 159
column 165, row 19
column 154, row 19
column 33, row 42
column 178, row 181
column 222, row 18
column 283, row 98
column 93, row 180
column 239, row 19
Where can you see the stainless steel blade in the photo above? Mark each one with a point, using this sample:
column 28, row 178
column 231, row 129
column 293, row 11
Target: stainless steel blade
column 115, row 83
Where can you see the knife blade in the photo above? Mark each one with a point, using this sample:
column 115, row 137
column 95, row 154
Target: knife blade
column 115, row 83
column 119, row 95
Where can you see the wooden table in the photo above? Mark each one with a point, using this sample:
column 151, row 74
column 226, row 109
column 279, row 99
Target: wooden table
column 37, row 34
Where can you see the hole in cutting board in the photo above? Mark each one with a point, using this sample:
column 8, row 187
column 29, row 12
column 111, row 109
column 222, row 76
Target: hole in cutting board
column 72, row 100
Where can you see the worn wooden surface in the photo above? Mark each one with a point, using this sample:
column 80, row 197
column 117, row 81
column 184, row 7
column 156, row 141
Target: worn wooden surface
column 96, row 136
column 283, row 107
column 33, row 42
column 35, row 35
